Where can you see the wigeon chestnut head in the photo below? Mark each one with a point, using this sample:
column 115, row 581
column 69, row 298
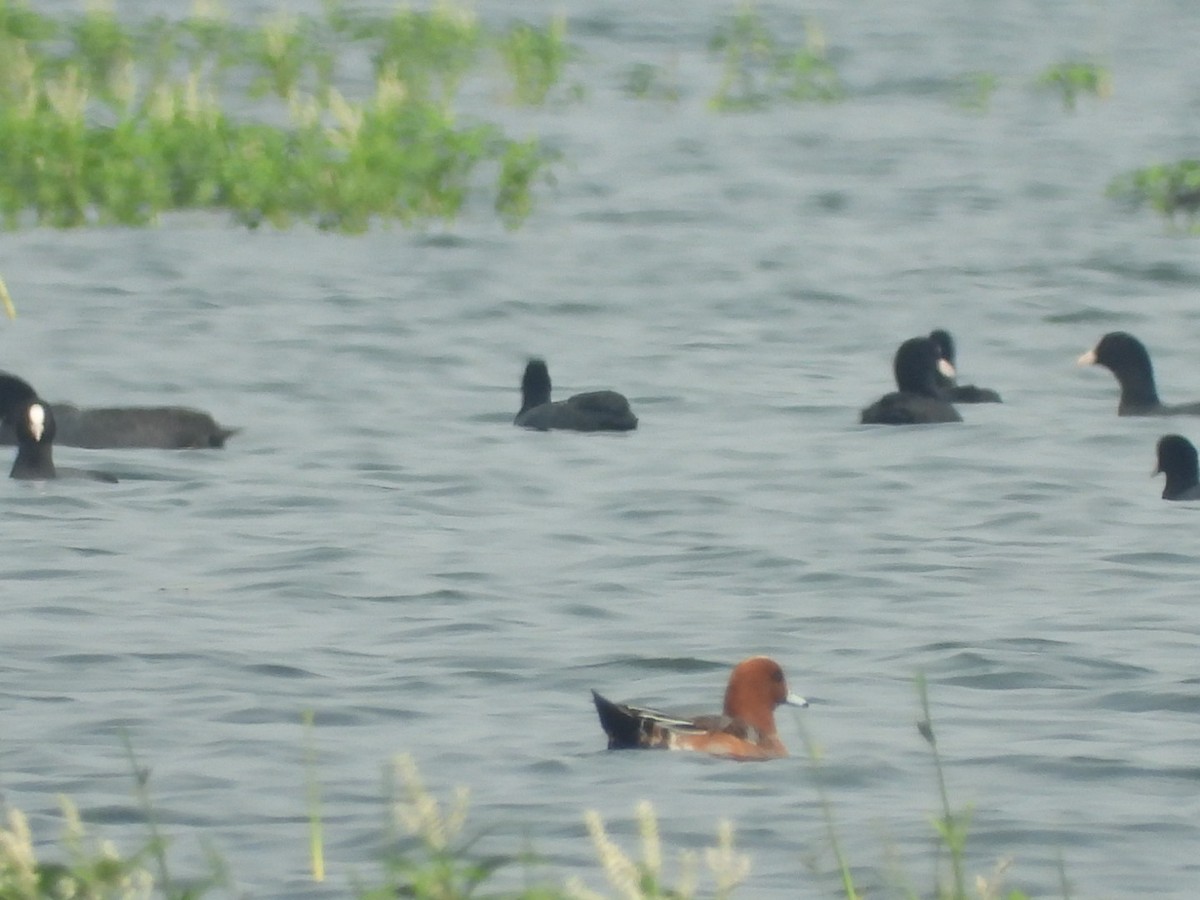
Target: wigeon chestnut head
column 745, row 729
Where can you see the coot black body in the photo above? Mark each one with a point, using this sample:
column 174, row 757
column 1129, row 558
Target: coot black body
column 919, row 400
column 593, row 411
column 156, row 427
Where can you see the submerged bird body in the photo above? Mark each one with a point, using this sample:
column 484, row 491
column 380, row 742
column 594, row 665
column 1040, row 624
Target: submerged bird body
column 1178, row 461
column 592, row 411
column 919, row 400
column 156, row 427
column 899, row 408
column 948, row 386
column 163, row 427
column 744, row 730
column 1129, row 361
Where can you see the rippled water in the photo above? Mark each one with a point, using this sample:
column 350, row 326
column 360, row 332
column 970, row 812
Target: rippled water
column 379, row 545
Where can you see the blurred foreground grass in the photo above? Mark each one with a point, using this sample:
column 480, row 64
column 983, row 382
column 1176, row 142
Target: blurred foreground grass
column 428, row 855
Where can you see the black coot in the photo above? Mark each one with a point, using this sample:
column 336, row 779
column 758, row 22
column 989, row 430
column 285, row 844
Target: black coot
column 33, row 424
column 951, row 389
column 918, row 401
column 1126, row 357
column 1177, row 460
column 593, row 411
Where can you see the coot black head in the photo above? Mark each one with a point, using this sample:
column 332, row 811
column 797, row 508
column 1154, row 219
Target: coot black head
column 945, row 344
column 34, row 427
column 15, row 394
column 916, row 366
column 535, row 385
column 1118, row 351
column 951, row 390
column 33, row 423
column 1127, row 358
column 1178, row 461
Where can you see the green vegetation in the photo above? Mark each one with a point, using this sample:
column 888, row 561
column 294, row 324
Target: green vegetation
column 649, row 82
column 756, row 70
column 1073, row 79
column 429, row 53
column 6, row 301
column 103, row 122
column 1169, row 188
column 535, row 59
column 835, row 845
column 106, row 122
column 950, row 826
column 973, row 91
column 427, row 859
column 93, row 870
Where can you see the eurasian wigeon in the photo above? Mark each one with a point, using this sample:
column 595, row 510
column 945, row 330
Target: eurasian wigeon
column 745, row 730
column 593, row 411
column 1127, row 358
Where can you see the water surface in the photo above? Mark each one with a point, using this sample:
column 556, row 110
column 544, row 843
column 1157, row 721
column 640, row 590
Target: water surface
column 381, row 546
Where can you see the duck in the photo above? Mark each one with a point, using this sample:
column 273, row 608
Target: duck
column 593, row 411
column 1177, row 460
column 745, row 730
column 950, row 389
column 919, row 400
column 34, row 427
column 1127, row 358
column 153, row 427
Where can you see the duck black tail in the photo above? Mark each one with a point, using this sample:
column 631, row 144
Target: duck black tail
column 621, row 726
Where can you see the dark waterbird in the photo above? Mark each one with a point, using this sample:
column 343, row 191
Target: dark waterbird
column 1177, row 460
column 593, row 411
column 33, row 424
column 1127, row 358
column 156, row 427
column 919, row 400
column 951, row 389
